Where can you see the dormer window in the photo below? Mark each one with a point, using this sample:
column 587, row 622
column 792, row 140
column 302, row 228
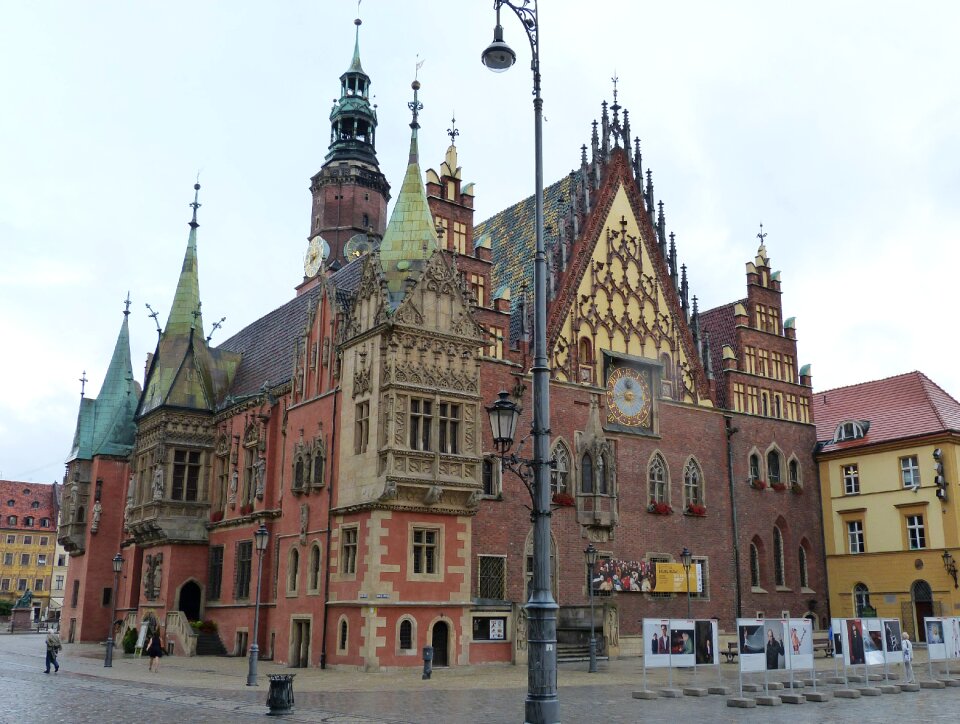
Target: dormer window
column 851, row 430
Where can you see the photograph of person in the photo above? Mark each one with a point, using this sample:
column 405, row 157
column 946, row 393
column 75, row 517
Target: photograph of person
column 855, row 639
column 751, row 639
column 774, row 646
column 682, row 640
column 891, row 631
column 704, row 642
column 660, row 644
column 955, row 653
column 934, row 632
column 873, row 641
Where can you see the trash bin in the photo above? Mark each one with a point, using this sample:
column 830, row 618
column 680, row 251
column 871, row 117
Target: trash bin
column 280, row 698
column 427, row 662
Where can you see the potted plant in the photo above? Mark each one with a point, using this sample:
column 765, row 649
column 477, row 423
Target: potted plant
column 758, row 484
column 659, row 508
column 563, row 500
column 779, row 487
column 697, row 510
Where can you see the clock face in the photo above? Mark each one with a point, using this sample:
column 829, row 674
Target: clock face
column 317, row 251
column 628, row 398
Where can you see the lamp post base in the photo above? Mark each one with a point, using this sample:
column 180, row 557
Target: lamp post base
column 593, row 655
column 108, row 656
column 252, row 669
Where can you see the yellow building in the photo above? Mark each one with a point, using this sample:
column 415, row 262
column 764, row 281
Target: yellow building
column 28, row 537
column 888, row 455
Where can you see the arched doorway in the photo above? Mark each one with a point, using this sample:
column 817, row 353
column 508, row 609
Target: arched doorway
column 922, row 606
column 190, row 600
column 441, row 635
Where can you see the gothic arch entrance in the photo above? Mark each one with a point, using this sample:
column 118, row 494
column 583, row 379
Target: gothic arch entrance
column 922, row 598
column 439, row 640
column 189, row 601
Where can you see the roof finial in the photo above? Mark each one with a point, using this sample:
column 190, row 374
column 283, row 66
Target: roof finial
column 452, row 131
column 196, row 204
column 153, row 315
column 126, row 305
column 83, row 382
column 415, row 105
column 762, row 235
column 615, row 79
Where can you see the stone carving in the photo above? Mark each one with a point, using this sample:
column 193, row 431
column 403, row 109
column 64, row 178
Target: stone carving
column 361, row 381
column 234, row 483
column 521, row 633
column 389, row 491
column 304, row 518
column 152, row 576
column 72, row 510
column 261, row 477
column 434, row 493
column 95, row 517
column 611, row 628
column 474, row 500
column 158, row 487
column 24, row 600
column 128, row 508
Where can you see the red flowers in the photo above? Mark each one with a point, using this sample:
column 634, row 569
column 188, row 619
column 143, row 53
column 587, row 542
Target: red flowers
column 659, row 508
column 563, row 500
column 216, row 516
column 779, row 487
column 697, row 510
column 758, row 484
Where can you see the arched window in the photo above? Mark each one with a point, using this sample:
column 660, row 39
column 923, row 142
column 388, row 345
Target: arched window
column 657, row 479
column 692, row 484
column 793, row 468
column 754, row 467
column 773, row 467
column 342, row 638
column 754, row 566
column 314, row 581
column 406, row 634
column 293, row 570
column 802, row 560
column 28, row 521
column 778, row 572
column 586, row 474
column 560, row 474
column 318, row 464
column 586, row 351
column 602, row 487
column 861, row 599
column 298, row 474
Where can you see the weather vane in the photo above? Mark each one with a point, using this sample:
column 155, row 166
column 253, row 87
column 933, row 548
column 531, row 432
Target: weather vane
column 217, row 325
column 762, row 235
column 153, row 315
column 615, row 79
column 83, row 382
column 126, row 305
column 452, row 131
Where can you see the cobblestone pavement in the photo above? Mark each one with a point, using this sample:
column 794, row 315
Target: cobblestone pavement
column 213, row 690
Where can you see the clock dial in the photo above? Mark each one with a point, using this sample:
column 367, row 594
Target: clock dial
column 317, row 251
column 628, row 398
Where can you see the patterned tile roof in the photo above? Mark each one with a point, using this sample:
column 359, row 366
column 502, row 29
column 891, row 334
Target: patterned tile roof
column 513, row 238
column 719, row 323
column 897, row 408
column 24, row 495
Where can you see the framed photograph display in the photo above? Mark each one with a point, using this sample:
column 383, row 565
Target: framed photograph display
column 951, row 638
column 682, row 646
column 656, row 642
column 872, row 641
column 892, row 640
column 706, row 641
column 799, row 643
column 836, row 633
column 853, row 642
column 936, row 648
column 774, row 651
column 750, row 640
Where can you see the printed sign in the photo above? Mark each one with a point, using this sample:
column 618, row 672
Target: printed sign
column 799, row 643
column 892, row 640
column 656, row 640
column 751, row 641
column 613, row 574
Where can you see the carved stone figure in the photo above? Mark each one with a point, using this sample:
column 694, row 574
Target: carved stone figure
column 128, row 508
column 612, row 628
column 521, row 634
column 95, row 517
column 474, row 500
column 152, row 576
column 158, row 488
column 24, row 600
column 234, row 482
column 260, row 477
column 389, row 491
column 434, row 493
column 304, row 519
column 72, row 510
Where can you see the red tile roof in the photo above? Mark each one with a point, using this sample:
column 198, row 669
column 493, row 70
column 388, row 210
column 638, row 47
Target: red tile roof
column 23, row 496
column 897, row 408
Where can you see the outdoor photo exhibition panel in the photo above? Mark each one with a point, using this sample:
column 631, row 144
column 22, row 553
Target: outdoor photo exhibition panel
column 679, row 642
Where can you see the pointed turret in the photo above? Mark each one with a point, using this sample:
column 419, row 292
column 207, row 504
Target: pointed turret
column 353, row 121
column 410, row 238
column 184, row 372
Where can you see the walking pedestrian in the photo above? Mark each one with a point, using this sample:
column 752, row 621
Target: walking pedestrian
column 155, row 651
column 53, row 648
column 907, row 658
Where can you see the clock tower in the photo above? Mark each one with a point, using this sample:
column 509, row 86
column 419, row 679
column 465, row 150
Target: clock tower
column 350, row 194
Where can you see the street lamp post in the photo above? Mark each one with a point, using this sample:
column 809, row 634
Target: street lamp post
column 260, row 538
column 686, row 557
column 542, row 704
column 117, row 566
column 591, row 554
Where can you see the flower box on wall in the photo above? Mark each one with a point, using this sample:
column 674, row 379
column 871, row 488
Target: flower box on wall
column 757, row 484
column 563, row 500
column 246, row 509
column 659, row 508
column 698, row 511
column 779, row 487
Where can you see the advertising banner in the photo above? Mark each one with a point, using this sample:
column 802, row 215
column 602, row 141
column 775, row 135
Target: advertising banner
column 656, row 642
column 614, row 574
column 872, row 641
column 750, row 638
column 892, row 640
column 706, row 640
column 682, row 648
column 936, row 648
column 799, row 643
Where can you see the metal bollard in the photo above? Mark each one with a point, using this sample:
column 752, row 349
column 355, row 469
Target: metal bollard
column 280, row 698
column 427, row 662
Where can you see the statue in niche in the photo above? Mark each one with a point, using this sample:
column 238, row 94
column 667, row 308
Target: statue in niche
column 95, row 517
column 521, row 636
column 128, row 507
column 261, row 477
column 612, row 628
column 234, row 482
column 158, row 482
column 474, row 500
column 152, row 576
column 304, row 518
column 72, row 510
column 434, row 493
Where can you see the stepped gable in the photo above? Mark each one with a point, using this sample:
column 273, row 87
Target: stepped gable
column 720, row 324
column 905, row 406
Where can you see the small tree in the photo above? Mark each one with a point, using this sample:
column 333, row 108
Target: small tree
column 6, row 607
column 129, row 642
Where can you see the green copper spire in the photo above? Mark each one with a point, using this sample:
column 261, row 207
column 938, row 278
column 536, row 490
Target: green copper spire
column 411, row 237
column 105, row 425
column 355, row 66
column 353, row 121
column 185, row 312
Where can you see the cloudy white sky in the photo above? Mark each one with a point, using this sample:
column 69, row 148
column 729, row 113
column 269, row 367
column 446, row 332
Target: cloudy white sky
column 835, row 124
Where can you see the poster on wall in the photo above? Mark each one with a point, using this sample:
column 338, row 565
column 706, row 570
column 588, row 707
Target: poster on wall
column 892, row 640
column 799, row 643
column 656, row 638
column 853, row 641
column 750, row 639
column 682, row 648
column 872, row 641
column 936, row 648
column 614, row 574
column 706, row 641
column 836, row 633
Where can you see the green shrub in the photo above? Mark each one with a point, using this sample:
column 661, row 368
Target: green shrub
column 129, row 641
column 6, row 607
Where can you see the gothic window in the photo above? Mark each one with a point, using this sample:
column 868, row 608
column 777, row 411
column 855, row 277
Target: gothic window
column 754, row 467
column 657, row 479
column 586, row 474
column 406, row 634
column 449, row 428
column 421, row 420
column 754, row 566
column 249, row 473
column 298, row 473
column 319, row 463
column 802, row 560
column 692, row 484
column 186, row 475
column 793, row 470
column 342, row 637
column 773, row 467
column 222, row 473
column 361, row 435
column 560, row 472
column 778, row 572
column 313, row 581
column 244, row 557
column 861, row 599
column 215, row 573
column 293, row 571
column 586, row 360
column 491, row 476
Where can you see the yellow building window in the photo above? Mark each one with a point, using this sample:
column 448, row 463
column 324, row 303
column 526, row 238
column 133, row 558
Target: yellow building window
column 459, row 237
column 753, row 400
column 738, row 396
column 478, row 287
column 763, row 363
column 441, row 225
column 804, row 409
column 791, row 401
column 495, row 343
column 788, row 369
column 749, row 359
column 776, row 365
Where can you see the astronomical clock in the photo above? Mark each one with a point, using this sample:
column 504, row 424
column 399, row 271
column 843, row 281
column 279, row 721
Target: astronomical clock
column 630, row 404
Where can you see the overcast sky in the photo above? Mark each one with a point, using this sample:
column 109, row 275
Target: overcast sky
column 834, row 124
